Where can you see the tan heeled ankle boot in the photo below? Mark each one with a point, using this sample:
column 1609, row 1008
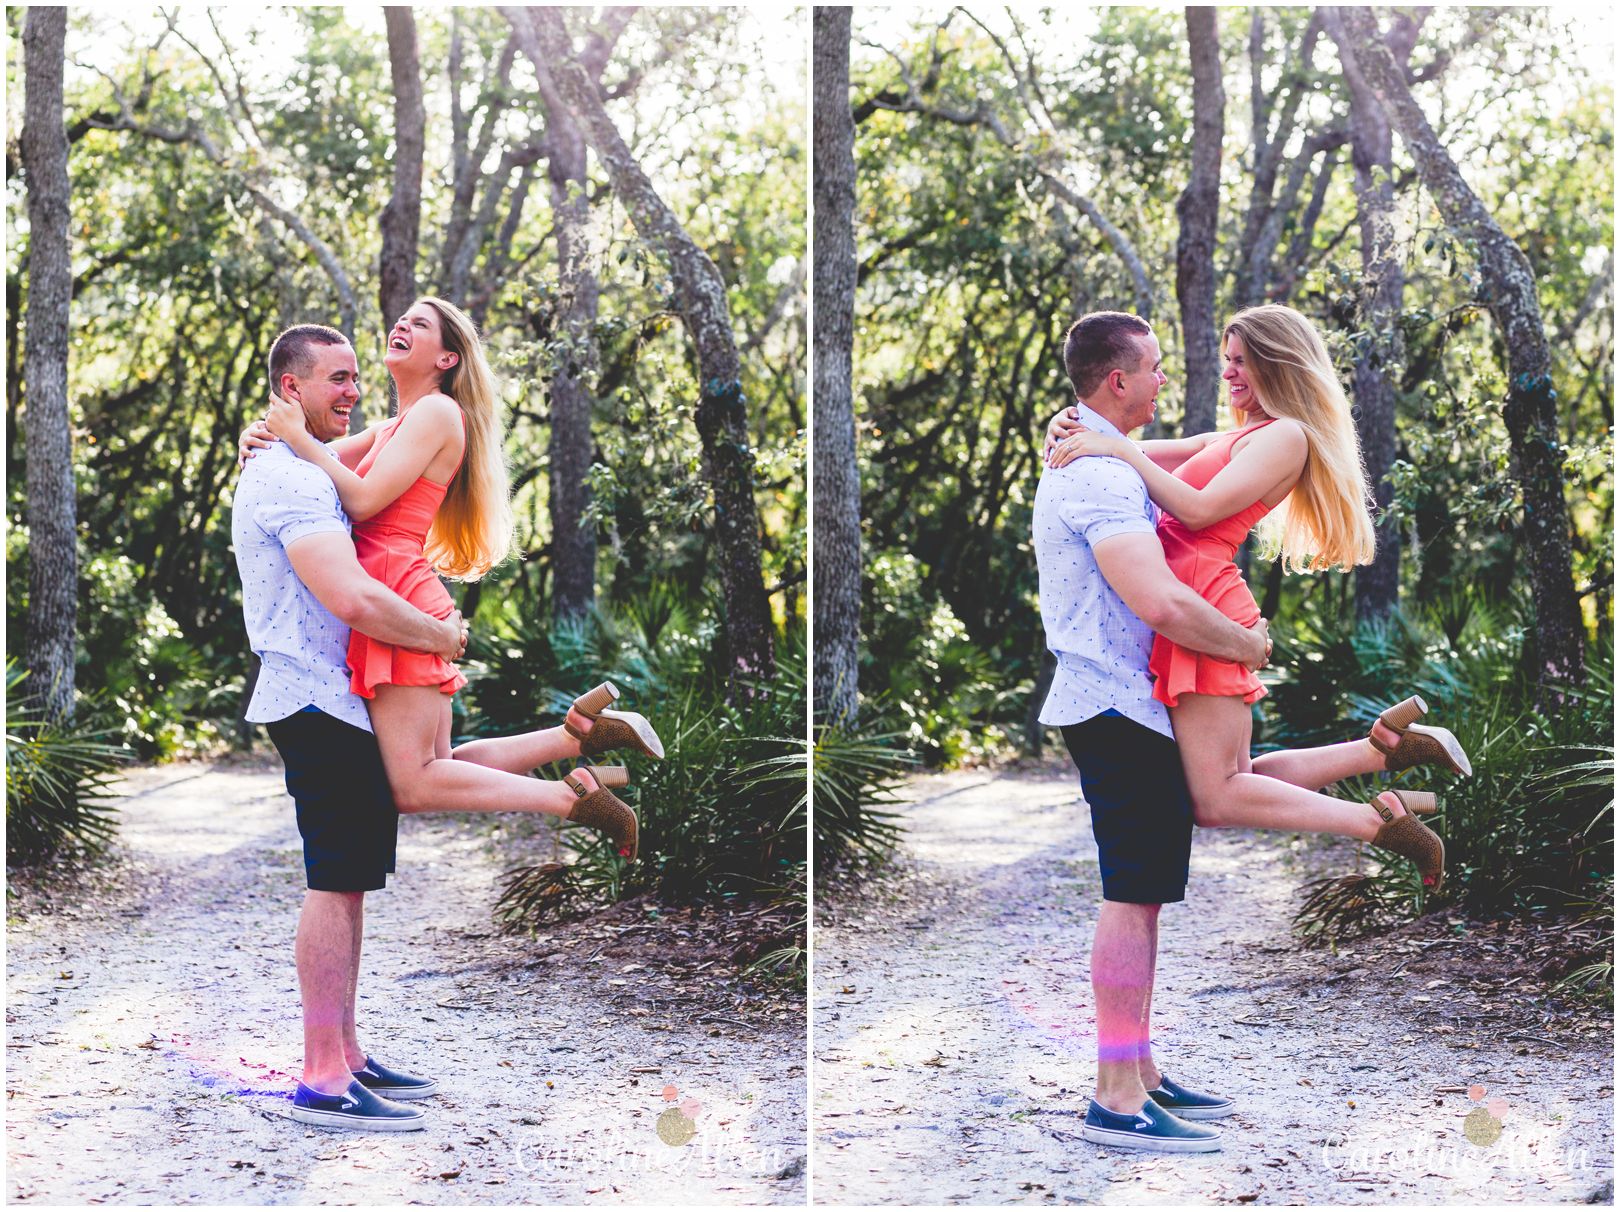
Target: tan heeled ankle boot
column 1411, row 838
column 612, row 729
column 604, row 811
column 1420, row 744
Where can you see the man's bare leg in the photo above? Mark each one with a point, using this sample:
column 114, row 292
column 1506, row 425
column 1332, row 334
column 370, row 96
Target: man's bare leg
column 1123, row 957
column 1145, row 1068
column 353, row 1054
column 327, row 946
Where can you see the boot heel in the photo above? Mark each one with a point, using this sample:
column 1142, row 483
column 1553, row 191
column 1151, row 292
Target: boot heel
column 619, row 776
column 1418, row 801
column 1401, row 716
column 593, row 702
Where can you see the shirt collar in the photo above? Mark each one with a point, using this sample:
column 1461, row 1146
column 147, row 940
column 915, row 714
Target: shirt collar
column 1092, row 419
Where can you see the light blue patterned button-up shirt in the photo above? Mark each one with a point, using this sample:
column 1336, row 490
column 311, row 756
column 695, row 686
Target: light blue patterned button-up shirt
column 1101, row 646
column 304, row 649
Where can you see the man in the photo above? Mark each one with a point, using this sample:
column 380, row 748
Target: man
column 302, row 590
column 1105, row 589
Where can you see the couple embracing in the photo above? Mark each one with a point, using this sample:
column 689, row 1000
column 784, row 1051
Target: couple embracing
column 1158, row 640
column 340, row 542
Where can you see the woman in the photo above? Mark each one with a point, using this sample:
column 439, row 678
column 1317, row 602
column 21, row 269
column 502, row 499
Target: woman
column 427, row 493
column 1296, row 449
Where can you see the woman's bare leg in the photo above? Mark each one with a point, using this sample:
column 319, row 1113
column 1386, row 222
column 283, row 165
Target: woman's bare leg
column 413, row 732
column 1314, row 769
column 1212, row 732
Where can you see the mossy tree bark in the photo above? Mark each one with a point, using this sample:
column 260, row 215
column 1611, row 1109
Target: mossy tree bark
column 53, row 562
column 1197, row 210
column 837, row 477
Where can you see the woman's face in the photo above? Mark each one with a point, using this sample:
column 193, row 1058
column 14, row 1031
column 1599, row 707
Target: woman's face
column 1237, row 379
column 416, row 343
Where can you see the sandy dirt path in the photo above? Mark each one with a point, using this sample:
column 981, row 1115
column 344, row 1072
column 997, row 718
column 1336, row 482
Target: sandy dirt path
column 153, row 1035
column 955, row 1050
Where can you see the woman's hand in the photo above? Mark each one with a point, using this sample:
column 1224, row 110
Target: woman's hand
column 1085, row 442
column 1064, row 424
column 285, row 420
column 255, row 437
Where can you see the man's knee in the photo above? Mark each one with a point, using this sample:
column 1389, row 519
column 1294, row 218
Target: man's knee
column 321, row 901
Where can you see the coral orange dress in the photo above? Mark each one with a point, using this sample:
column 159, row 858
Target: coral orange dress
column 1202, row 560
column 389, row 546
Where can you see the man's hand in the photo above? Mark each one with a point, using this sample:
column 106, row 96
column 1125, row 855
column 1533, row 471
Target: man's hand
column 255, row 436
column 1260, row 629
column 455, row 637
column 1065, row 423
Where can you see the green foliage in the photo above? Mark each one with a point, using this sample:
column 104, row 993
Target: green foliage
column 943, row 690
column 1343, row 907
column 58, row 779
column 1533, row 827
column 721, row 816
column 855, row 773
column 971, row 271
column 182, row 282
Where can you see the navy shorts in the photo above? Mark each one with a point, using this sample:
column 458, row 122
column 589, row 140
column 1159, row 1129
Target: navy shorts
column 346, row 813
column 1141, row 815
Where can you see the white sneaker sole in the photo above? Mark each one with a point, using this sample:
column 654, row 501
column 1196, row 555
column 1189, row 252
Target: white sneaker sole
column 643, row 729
column 1154, row 1144
column 398, row 1094
column 365, row 1123
column 1195, row 1112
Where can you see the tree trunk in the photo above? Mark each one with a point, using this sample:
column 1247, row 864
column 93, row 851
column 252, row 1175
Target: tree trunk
column 1198, row 209
column 53, row 563
column 573, row 544
column 837, row 480
column 1508, row 286
column 1383, row 283
column 722, row 423
column 401, row 219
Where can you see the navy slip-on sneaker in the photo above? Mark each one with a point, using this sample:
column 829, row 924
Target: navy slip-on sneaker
column 356, row 1107
column 1150, row 1128
column 1187, row 1104
column 394, row 1085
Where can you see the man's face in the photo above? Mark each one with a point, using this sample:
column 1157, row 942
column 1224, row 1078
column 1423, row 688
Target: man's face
column 328, row 393
column 1141, row 387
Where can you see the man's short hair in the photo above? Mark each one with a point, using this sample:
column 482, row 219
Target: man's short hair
column 1099, row 343
column 294, row 350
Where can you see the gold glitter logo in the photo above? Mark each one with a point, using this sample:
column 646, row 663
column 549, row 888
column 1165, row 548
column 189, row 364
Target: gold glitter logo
column 678, row 1124
column 1483, row 1127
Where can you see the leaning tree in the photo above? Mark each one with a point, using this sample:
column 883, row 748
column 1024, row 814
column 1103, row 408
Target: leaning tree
column 1508, row 292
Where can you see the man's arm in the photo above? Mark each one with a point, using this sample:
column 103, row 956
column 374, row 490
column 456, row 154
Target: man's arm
column 326, row 563
column 1134, row 565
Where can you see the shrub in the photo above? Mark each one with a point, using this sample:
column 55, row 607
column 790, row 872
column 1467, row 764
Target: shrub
column 855, row 773
column 1533, row 827
column 56, row 771
column 723, row 815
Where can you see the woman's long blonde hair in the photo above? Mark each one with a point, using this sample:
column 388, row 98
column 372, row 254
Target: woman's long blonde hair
column 1324, row 521
column 472, row 532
